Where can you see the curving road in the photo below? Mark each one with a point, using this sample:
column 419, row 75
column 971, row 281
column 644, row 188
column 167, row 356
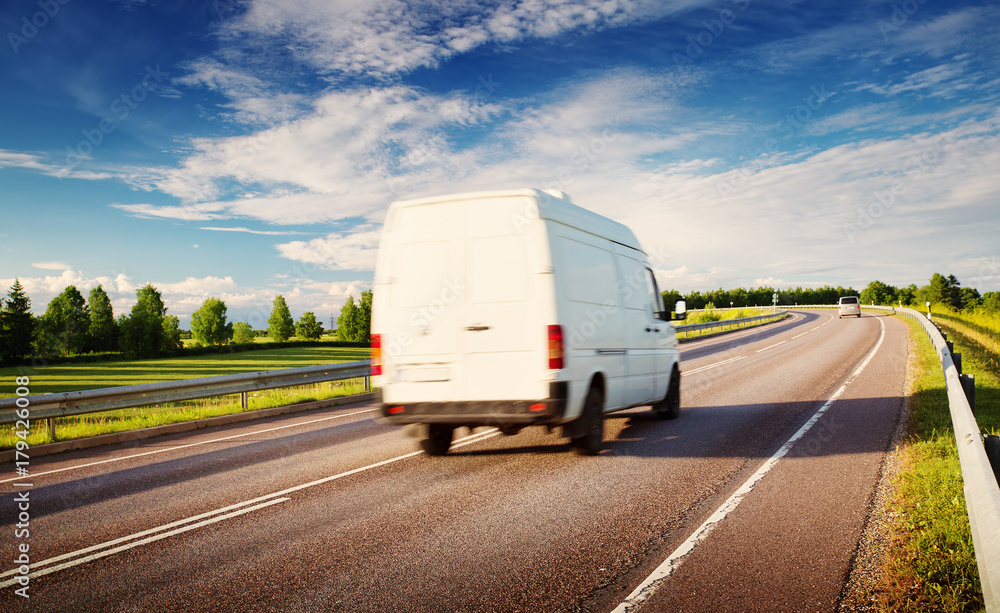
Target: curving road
column 750, row 501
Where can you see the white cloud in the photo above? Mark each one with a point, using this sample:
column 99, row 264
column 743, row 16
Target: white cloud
column 942, row 81
column 940, row 35
column 386, row 37
column 820, row 217
column 249, row 231
column 355, row 251
column 51, row 265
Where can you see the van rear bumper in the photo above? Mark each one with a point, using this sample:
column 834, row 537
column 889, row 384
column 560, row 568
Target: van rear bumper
column 482, row 412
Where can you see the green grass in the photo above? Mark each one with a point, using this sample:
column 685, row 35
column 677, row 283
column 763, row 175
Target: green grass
column 73, row 377
column 699, row 317
column 930, row 564
column 89, row 375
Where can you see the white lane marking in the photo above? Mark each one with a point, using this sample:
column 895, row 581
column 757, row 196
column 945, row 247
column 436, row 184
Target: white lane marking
column 126, row 547
column 710, row 366
column 803, row 334
column 770, row 346
column 649, row 586
column 232, row 510
column 214, row 440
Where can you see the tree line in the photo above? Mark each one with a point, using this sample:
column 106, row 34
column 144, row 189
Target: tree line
column 72, row 325
column 941, row 289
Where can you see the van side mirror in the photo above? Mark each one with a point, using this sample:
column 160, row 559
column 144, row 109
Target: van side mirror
column 680, row 310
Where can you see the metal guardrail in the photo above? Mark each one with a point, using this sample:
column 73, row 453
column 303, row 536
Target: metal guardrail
column 982, row 492
column 65, row 404
column 729, row 323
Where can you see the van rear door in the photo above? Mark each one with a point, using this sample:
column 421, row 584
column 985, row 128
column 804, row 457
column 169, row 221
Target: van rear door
column 462, row 298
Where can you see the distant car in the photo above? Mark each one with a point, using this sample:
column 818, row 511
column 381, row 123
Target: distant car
column 849, row 305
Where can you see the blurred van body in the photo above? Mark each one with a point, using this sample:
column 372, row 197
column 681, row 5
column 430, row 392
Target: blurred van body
column 517, row 308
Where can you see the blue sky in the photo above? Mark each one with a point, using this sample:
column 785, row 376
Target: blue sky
column 242, row 149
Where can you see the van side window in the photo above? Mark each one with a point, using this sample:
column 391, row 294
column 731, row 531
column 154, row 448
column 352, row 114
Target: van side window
column 655, row 297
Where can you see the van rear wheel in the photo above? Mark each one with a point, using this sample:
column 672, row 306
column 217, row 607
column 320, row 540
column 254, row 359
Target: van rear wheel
column 670, row 406
column 591, row 439
column 438, row 439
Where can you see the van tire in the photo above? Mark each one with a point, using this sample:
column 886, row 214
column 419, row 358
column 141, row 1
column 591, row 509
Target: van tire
column 670, row 406
column 438, row 439
column 591, row 438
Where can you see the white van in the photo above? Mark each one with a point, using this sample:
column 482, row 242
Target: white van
column 517, row 308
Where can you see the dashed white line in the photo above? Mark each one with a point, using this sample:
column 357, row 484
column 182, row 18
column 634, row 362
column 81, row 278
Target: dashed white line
column 649, row 586
column 710, row 366
column 770, row 346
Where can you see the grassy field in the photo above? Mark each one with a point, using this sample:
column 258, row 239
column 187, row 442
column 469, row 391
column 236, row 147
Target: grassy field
column 73, row 377
column 930, row 561
column 707, row 315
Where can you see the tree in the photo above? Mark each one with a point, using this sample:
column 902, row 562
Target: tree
column 171, row 333
column 280, row 325
column 878, row 293
column 991, row 302
column 142, row 331
column 65, row 324
column 347, row 322
column 103, row 330
column 308, row 328
column 17, row 325
column 242, row 333
column 364, row 323
column 208, row 323
column 908, row 295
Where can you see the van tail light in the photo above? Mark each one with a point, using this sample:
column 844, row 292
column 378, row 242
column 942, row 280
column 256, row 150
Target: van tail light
column 556, row 349
column 376, row 354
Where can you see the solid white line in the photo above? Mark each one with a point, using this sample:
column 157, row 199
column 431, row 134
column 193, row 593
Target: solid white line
column 215, row 440
column 771, row 346
column 649, row 586
column 230, row 511
column 104, row 554
column 710, row 366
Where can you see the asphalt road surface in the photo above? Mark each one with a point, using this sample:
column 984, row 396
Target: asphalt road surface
column 754, row 499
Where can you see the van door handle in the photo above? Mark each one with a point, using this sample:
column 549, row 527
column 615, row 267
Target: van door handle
column 477, row 328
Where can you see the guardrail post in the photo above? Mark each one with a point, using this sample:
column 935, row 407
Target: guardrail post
column 957, row 359
column 50, row 427
column 368, row 384
column 243, row 401
column 951, row 346
column 992, row 444
column 969, row 387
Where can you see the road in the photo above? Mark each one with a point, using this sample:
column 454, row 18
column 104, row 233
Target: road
column 749, row 501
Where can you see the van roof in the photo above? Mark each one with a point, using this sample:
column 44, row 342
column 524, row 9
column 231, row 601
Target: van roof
column 552, row 204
